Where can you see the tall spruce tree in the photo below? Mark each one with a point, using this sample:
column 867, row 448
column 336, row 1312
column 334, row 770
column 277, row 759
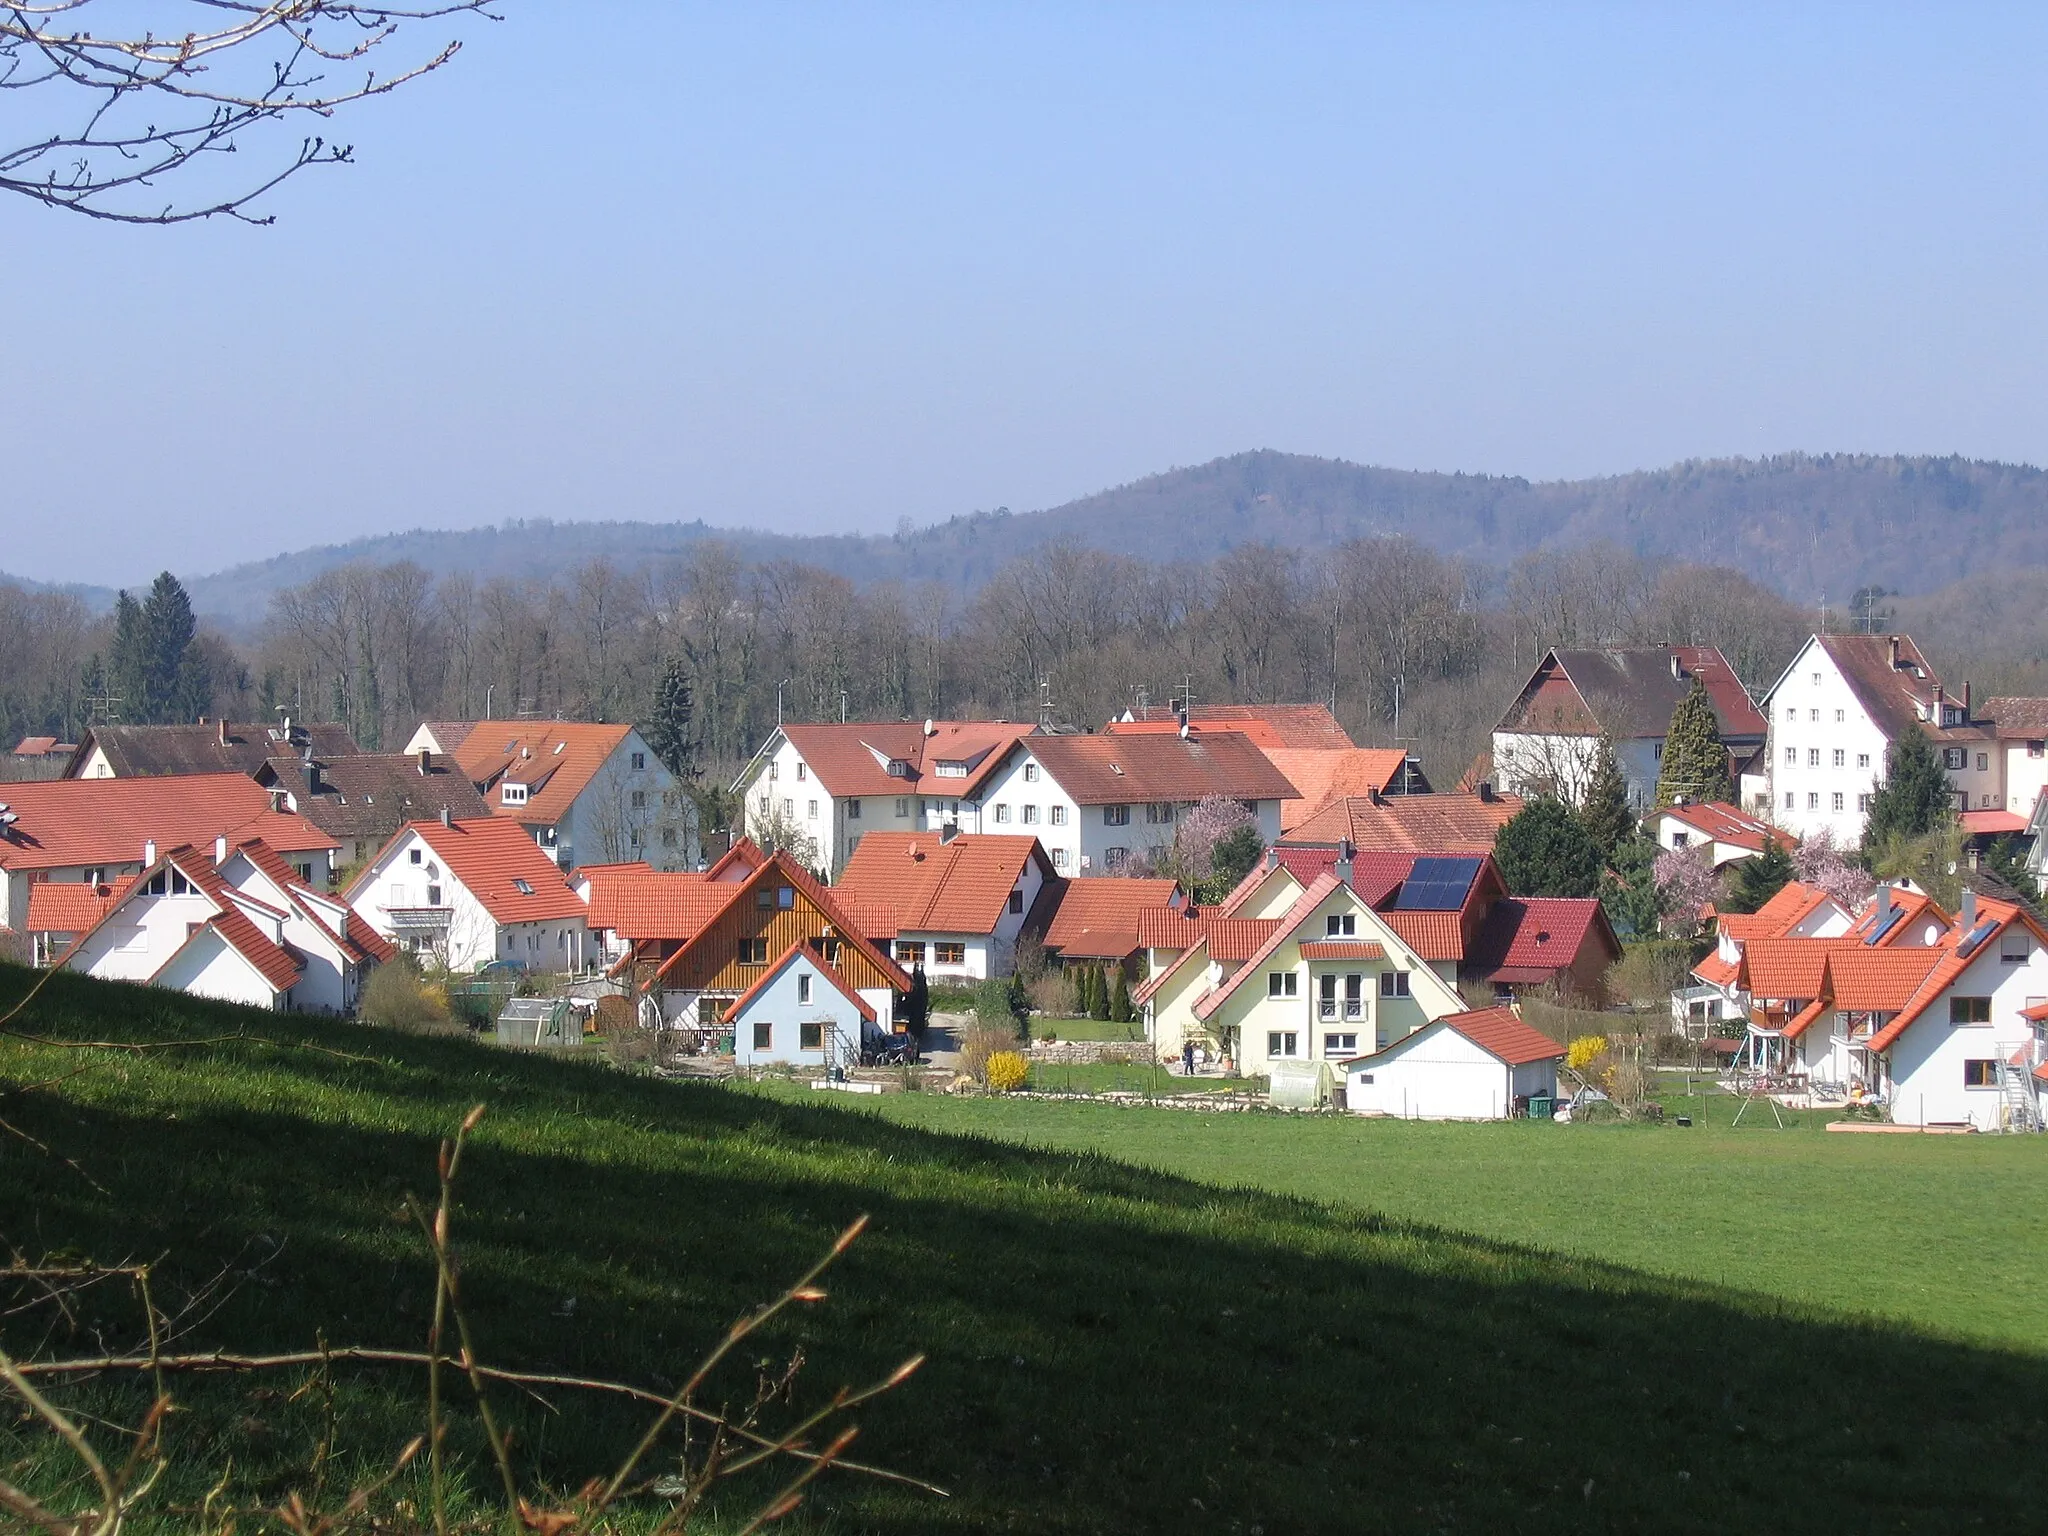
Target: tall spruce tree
column 1755, row 881
column 1542, row 850
column 1606, row 815
column 1915, row 797
column 667, row 727
column 1695, row 762
column 125, row 664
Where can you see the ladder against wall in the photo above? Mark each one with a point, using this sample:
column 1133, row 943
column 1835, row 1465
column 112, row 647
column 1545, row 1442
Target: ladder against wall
column 2022, row 1111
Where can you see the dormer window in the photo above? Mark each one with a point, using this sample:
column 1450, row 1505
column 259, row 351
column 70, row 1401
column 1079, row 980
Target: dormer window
column 899, row 769
column 512, row 794
column 953, row 768
column 523, row 887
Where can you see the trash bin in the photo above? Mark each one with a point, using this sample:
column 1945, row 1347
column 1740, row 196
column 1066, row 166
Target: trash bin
column 1541, row 1106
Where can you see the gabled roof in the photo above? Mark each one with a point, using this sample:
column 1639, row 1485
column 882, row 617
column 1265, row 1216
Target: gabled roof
column 1450, row 823
column 654, row 904
column 853, row 759
column 1120, row 770
column 1876, row 980
column 69, row 823
column 554, row 759
column 1725, row 823
column 1497, row 1031
column 373, row 794
column 489, row 856
column 67, row 906
column 1784, row 968
column 1529, row 939
column 1792, row 904
column 805, row 949
column 150, row 751
column 1897, row 697
column 2010, row 718
column 1098, row 918
column 276, row 965
column 1304, row 906
column 1958, row 950
column 1323, row 776
column 929, row 886
column 42, row 746
column 1630, row 692
column 780, row 868
column 1268, row 726
column 443, row 735
column 355, row 936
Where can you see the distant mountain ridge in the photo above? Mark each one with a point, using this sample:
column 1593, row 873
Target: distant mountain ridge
column 1802, row 523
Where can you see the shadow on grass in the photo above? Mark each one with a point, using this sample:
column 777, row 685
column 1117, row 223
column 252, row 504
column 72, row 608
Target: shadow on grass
column 1111, row 1350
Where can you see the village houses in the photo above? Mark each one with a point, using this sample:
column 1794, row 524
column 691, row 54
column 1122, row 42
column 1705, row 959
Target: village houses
column 954, row 905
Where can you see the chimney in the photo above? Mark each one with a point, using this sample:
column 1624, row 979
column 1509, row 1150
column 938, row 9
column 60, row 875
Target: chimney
column 1966, row 701
column 1345, row 854
column 1486, row 791
column 1374, row 796
column 447, row 817
column 1968, row 916
column 223, row 730
column 277, row 801
column 426, row 760
column 220, row 850
column 1895, row 652
column 1884, row 906
column 1937, row 717
column 148, row 852
column 948, row 832
column 1272, row 858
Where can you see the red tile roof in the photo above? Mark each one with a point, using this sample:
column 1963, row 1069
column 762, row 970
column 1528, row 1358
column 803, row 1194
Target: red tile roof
column 819, row 963
column 554, row 759
column 1269, row 726
column 1992, row 823
column 277, row 966
column 1784, row 969
column 853, row 759
column 651, row 904
column 1530, row 939
column 2011, row 719
column 1342, row 949
column 1448, row 824
column 1717, row 972
column 1305, row 904
column 73, row 823
column 488, row 856
column 319, row 906
column 1993, row 916
column 2038, row 1014
column 66, row 906
column 1323, row 776
column 1725, row 823
column 1432, row 935
column 1121, row 770
column 1500, row 1033
column 1863, row 980
column 1098, row 918
column 779, row 868
column 928, row 886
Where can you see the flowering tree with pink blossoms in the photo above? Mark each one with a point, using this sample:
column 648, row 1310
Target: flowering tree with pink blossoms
column 1821, row 864
column 1685, row 882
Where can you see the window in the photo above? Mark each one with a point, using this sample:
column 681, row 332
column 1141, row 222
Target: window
column 764, row 1037
column 639, row 799
column 1031, row 773
column 803, row 770
column 1341, row 1045
column 852, row 842
column 1816, row 679
column 1159, row 812
column 785, row 897
column 512, row 794
column 1813, row 757
column 433, row 895
column 1059, row 858
column 1365, row 1078
column 908, row 953
column 1790, row 799
column 1791, row 757
column 1835, row 801
column 1340, row 924
column 1030, row 815
column 1116, row 815
column 1016, row 903
column 2014, row 948
column 1326, row 997
column 811, row 810
column 902, row 808
column 810, row 1037
column 949, row 954
column 1002, row 813
column 1980, row 1074
column 639, row 761
column 2037, row 748
column 774, row 770
column 1814, row 716
column 1983, row 762
column 1791, row 714
column 1813, row 802
column 1681, row 839
column 668, row 837
column 1282, row 984
column 1954, row 758
column 1985, row 802
column 1057, row 815
column 1841, row 758
column 1115, row 858
column 1841, row 717
column 789, row 810
column 803, row 989
column 1282, row 1043
column 853, row 810
column 1354, row 996
column 1863, row 802
column 753, row 951
column 765, row 899
column 949, row 768
column 1393, row 984
column 1969, row 1010
column 1862, row 759
column 523, row 887
column 91, row 875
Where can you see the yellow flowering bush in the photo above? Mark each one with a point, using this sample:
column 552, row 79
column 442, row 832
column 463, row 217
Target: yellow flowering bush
column 1584, row 1051
column 1006, row 1071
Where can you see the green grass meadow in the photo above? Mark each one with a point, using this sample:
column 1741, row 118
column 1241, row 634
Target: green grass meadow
column 1138, row 1320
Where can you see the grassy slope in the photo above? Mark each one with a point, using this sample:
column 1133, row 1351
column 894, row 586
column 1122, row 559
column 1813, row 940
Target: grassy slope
column 1113, row 1349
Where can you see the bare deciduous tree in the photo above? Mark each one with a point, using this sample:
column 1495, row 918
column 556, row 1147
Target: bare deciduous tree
column 171, row 101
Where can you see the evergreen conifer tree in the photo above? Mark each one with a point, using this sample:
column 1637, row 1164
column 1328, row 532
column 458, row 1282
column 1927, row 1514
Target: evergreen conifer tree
column 1542, row 850
column 2004, row 861
column 1755, row 881
column 166, row 632
column 667, row 727
column 125, row 667
column 1915, row 797
column 1098, row 995
column 1695, row 762
column 1606, row 814
column 1120, row 999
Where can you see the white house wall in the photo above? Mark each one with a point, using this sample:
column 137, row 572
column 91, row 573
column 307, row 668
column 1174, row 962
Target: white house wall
column 1926, row 1063
column 1436, row 1074
column 134, row 944
column 210, row 967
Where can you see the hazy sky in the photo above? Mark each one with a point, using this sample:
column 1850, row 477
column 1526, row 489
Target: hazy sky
column 818, row 268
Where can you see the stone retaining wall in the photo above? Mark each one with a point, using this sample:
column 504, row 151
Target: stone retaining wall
column 1067, row 1053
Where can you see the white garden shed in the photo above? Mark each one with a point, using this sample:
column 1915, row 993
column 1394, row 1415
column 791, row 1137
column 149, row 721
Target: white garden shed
column 1482, row 1065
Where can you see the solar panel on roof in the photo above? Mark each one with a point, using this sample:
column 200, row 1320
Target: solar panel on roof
column 1437, row 885
column 1878, row 931
column 1976, row 936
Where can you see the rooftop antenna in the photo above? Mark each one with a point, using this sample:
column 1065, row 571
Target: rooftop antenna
column 1823, row 612
column 1407, row 758
column 1045, row 703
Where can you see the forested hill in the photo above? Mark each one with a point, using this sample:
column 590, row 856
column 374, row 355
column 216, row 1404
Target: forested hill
column 1802, row 524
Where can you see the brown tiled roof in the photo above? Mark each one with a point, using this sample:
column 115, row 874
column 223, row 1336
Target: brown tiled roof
column 1118, row 770
column 1725, row 823
column 853, row 759
column 1323, row 776
column 779, row 867
column 147, row 751
column 372, row 794
column 1098, row 918
column 319, row 907
column 929, row 886
column 1342, row 949
column 1894, row 697
column 1448, row 824
column 66, row 823
column 42, row 746
column 488, row 855
column 555, row 759
column 2009, row 718
column 1629, row 692
column 1268, row 726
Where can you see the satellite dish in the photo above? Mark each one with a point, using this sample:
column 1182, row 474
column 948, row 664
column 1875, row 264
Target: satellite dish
column 931, row 727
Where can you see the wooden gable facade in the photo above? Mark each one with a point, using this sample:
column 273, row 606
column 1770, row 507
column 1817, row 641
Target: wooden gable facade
column 777, row 906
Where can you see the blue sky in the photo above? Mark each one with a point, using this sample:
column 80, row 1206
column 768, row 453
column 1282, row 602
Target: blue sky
column 829, row 267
